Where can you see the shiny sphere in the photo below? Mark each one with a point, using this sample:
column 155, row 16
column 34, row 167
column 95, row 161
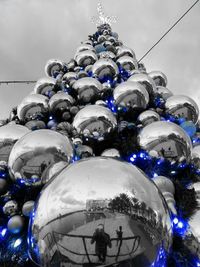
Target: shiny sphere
column 32, row 107
column 85, row 47
column 93, row 198
column 53, row 170
column 35, row 125
column 84, row 151
column 69, row 76
column 105, row 68
column 3, row 186
column 148, row 117
column 10, row 208
column 15, row 224
column 127, row 63
column 163, row 92
column 86, row 58
column 94, row 119
column 111, row 152
column 44, row 85
column 28, row 208
column 107, row 54
column 189, row 127
column 159, row 78
column 168, row 139
column 125, row 51
column 181, row 106
column 146, row 81
column 34, row 152
column 9, row 135
column 87, row 88
column 60, row 101
column 195, row 160
column 53, row 65
column 131, row 94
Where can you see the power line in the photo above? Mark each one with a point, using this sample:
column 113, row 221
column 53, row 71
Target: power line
column 168, row 31
column 28, row 82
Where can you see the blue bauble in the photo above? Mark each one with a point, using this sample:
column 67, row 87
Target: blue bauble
column 99, row 48
column 189, row 127
column 51, row 124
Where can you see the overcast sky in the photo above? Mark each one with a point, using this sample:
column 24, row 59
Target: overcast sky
column 33, row 31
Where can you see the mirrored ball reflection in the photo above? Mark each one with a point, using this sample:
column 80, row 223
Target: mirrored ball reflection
column 101, row 211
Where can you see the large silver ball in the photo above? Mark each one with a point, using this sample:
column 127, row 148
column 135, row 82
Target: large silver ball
column 195, row 160
column 15, row 224
column 168, row 139
column 85, row 47
column 105, row 67
column 127, row 63
column 44, row 85
column 60, row 101
column 87, row 88
column 86, row 58
column 163, row 92
column 32, row 106
column 146, row 81
column 182, row 106
column 147, row 117
column 10, row 208
column 159, row 78
column 69, row 76
column 9, row 134
column 125, row 51
column 34, row 152
column 95, row 120
column 28, row 208
column 53, row 65
column 131, row 94
column 53, row 170
column 88, row 203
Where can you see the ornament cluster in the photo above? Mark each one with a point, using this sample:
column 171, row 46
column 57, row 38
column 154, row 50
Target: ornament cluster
column 84, row 134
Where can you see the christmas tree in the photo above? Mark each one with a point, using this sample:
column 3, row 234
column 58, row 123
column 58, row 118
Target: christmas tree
column 99, row 165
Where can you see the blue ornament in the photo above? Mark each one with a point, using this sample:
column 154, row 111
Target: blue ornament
column 189, row 127
column 52, row 123
column 99, row 48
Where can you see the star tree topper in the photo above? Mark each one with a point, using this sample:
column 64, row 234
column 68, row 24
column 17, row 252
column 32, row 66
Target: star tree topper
column 102, row 18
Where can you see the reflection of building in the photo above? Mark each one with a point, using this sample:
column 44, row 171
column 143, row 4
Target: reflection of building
column 97, row 204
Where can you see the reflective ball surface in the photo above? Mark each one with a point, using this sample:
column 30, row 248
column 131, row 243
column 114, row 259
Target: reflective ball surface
column 101, row 211
column 107, row 54
column 131, row 94
column 163, row 92
column 87, row 88
column 3, row 186
column 44, row 85
column 127, row 63
column 85, row 47
column 28, row 208
column 111, row 152
column 195, row 160
column 159, row 78
column 34, row 152
column 15, row 224
column 60, row 101
column 35, row 125
column 52, row 66
column 147, row 117
column 53, row 170
column 69, row 76
column 86, row 58
column 181, row 106
column 125, row 51
column 95, row 121
column 10, row 208
column 167, row 139
column 105, row 68
column 146, row 81
column 32, row 107
column 9, row 135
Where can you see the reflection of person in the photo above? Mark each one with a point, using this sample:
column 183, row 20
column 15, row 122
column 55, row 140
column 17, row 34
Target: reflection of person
column 102, row 240
column 119, row 235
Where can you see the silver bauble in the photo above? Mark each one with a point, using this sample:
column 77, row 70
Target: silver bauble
column 181, row 106
column 86, row 58
column 3, row 186
column 15, row 224
column 107, row 54
column 146, row 81
column 81, row 74
column 53, row 65
column 69, row 76
column 10, row 208
column 127, row 63
column 85, row 47
column 53, row 170
column 34, row 152
column 9, row 134
column 88, row 203
column 195, row 160
column 94, row 120
column 87, row 88
column 125, row 51
column 44, row 85
column 105, row 67
column 159, row 78
column 168, row 139
column 35, row 125
column 84, row 151
column 60, row 101
column 163, row 92
column 32, row 106
column 28, row 208
column 111, row 152
column 148, row 117
column 131, row 94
